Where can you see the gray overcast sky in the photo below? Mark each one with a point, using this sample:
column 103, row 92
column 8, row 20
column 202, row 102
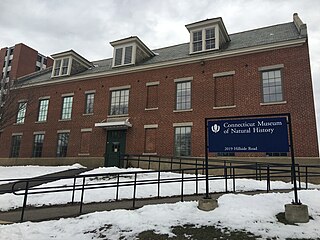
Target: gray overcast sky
column 87, row 26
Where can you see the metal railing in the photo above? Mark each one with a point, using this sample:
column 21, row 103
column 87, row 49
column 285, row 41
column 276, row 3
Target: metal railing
column 225, row 170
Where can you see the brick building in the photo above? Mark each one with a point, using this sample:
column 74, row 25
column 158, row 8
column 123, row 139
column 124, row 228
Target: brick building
column 154, row 102
column 17, row 61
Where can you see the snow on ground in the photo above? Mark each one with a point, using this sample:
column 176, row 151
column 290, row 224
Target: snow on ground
column 10, row 201
column 19, row 172
column 256, row 214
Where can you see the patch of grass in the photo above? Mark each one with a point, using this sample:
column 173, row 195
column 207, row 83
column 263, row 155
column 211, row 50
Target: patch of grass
column 188, row 232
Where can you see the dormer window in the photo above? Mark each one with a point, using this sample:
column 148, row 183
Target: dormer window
column 123, row 56
column 61, row 67
column 203, row 39
column 69, row 63
column 207, row 35
column 129, row 51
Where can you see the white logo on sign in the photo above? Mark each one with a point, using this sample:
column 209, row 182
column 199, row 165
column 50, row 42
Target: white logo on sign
column 215, row 128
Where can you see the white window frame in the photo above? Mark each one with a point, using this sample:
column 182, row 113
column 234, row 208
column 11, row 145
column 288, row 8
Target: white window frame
column 203, row 30
column 123, row 47
column 61, row 67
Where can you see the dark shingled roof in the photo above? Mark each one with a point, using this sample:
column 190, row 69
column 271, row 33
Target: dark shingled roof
column 253, row 38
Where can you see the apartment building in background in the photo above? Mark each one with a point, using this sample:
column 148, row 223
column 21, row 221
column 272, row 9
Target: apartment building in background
column 17, row 61
column 154, row 102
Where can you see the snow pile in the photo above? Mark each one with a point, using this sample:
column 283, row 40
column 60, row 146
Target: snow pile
column 256, row 214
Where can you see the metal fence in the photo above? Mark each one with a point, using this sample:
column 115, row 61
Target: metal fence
column 222, row 169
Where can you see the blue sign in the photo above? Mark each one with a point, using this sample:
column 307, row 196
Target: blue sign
column 248, row 135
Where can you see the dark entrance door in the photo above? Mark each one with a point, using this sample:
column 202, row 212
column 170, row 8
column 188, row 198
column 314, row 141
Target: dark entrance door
column 116, row 145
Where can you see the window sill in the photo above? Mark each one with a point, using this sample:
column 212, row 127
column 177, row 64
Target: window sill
column 149, row 154
column 116, row 116
column 183, row 110
column 87, row 114
column 225, row 107
column 64, row 120
column 273, row 103
column 17, row 124
column 151, row 109
column 40, row 122
column 83, row 154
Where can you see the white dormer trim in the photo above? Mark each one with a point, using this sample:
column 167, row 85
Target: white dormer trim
column 139, row 51
column 61, row 61
column 124, row 49
column 220, row 34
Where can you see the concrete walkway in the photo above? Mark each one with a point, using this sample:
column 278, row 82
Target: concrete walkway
column 72, row 210
column 7, row 188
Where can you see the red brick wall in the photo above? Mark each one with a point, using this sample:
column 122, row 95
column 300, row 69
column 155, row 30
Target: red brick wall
column 2, row 56
column 247, row 98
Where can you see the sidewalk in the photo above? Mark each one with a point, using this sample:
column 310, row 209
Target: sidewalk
column 72, row 210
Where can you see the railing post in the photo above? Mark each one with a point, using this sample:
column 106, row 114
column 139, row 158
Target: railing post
column 73, row 189
column 182, row 175
column 82, row 193
column 256, row 171
column 299, row 176
column 134, row 190
column 197, row 187
column 24, row 201
column 225, row 175
column 171, row 163
column 234, row 179
column 117, row 190
column 159, row 164
column 306, row 177
column 159, row 184
column 149, row 163
column 268, row 178
column 139, row 161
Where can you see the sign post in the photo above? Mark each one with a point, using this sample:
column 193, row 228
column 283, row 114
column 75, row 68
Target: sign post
column 256, row 133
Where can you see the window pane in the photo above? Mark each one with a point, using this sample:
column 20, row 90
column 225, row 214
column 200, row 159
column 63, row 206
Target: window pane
column 183, row 95
column 65, row 66
column 119, row 102
column 89, row 103
column 22, row 107
column 15, row 146
column 182, row 141
column 62, row 146
column 66, row 107
column 128, row 55
column 272, row 86
column 43, row 110
column 37, row 145
column 118, row 57
column 197, row 41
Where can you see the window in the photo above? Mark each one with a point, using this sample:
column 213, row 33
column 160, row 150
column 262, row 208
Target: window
column 210, row 38
column 150, row 140
column 272, row 86
column 89, row 103
column 57, row 66
column 224, row 91
column 197, row 41
column 85, row 142
column 203, row 39
column 37, row 145
column 183, row 95
column 22, row 107
column 15, row 146
column 123, row 56
column 62, row 146
column 43, row 110
column 182, row 141
column 119, row 102
column 61, row 67
column 152, row 96
column 66, row 107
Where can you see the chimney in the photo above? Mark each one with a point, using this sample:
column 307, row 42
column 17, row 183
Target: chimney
column 302, row 27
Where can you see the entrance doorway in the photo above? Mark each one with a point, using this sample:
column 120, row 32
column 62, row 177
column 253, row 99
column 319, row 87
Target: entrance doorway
column 116, row 145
